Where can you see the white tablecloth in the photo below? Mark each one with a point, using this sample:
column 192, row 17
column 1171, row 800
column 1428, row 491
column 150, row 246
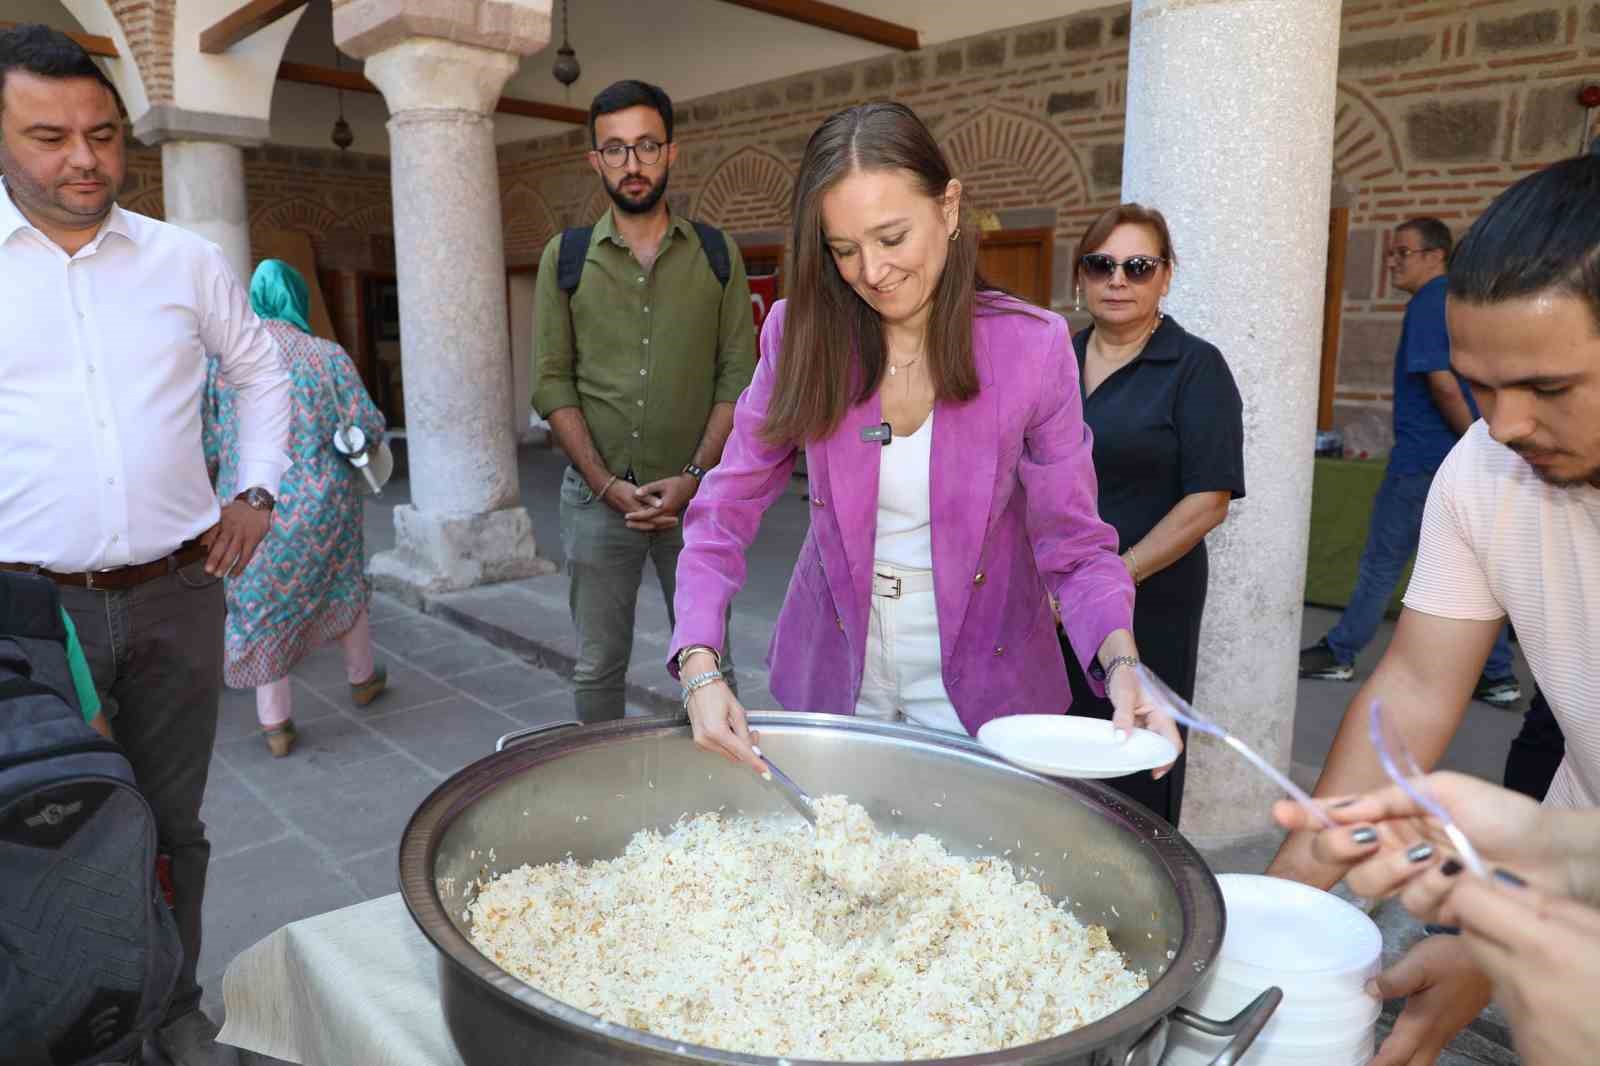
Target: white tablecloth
column 357, row 985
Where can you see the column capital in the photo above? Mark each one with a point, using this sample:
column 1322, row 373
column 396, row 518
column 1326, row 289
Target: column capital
column 168, row 122
column 430, row 74
column 363, row 28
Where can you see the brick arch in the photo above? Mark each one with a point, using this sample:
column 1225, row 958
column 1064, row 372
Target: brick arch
column 999, row 153
column 527, row 222
column 150, row 202
column 1364, row 145
column 596, row 205
column 373, row 218
column 750, row 189
column 148, row 27
column 297, row 213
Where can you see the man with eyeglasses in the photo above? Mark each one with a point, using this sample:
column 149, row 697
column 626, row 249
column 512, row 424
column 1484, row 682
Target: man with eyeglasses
column 1432, row 409
column 643, row 341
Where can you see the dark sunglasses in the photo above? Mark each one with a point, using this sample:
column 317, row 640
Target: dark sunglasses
column 1138, row 269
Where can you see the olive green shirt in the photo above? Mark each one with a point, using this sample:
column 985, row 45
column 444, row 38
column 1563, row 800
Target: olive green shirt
column 644, row 354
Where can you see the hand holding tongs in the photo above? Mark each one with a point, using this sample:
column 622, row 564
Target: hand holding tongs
column 1181, row 712
column 798, row 798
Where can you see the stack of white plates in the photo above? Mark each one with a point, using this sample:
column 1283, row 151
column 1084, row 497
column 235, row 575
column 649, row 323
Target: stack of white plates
column 1319, row 949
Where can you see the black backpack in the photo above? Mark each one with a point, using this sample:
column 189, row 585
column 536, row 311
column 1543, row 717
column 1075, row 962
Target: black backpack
column 89, row 952
column 575, row 249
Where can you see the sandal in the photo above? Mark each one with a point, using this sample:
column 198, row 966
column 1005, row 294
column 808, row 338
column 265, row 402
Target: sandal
column 364, row 692
column 280, row 738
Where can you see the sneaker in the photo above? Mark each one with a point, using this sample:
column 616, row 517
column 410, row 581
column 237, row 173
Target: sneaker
column 1318, row 663
column 1502, row 693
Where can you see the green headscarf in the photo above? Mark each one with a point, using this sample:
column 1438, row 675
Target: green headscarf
column 278, row 292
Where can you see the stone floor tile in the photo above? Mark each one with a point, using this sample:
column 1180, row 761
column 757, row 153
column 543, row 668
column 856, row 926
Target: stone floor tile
column 235, row 815
column 369, row 809
column 326, row 749
column 446, row 735
column 251, row 893
column 407, row 634
column 512, row 682
column 448, row 660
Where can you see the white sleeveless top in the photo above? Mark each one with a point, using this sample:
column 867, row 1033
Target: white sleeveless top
column 904, row 528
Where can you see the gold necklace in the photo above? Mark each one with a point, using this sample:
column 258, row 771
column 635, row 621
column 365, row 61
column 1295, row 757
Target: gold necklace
column 893, row 369
column 1095, row 340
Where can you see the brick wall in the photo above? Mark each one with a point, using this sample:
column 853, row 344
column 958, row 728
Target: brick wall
column 341, row 199
column 148, row 26
column 1441, row 104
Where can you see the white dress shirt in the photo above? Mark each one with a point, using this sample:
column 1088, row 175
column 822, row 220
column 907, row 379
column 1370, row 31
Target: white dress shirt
column 102, row 367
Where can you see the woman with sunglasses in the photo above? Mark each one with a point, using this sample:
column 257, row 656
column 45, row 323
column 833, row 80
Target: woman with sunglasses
column 1168, row 452
column 952, row 490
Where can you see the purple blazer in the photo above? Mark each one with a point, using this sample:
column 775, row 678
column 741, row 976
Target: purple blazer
column 1014, row 523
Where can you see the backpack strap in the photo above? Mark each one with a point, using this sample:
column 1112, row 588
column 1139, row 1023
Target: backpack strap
column 715, row 245
column 569, row 261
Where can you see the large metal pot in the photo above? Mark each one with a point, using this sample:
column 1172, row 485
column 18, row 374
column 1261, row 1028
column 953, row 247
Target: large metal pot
column 585, row 791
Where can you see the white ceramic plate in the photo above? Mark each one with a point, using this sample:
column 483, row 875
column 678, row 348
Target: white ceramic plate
column 1065, row 745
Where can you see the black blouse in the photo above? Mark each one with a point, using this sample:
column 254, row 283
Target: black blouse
column 1166, row 425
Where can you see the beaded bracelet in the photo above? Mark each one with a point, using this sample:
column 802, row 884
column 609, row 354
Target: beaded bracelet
column 694, row 684
column 1114, row 664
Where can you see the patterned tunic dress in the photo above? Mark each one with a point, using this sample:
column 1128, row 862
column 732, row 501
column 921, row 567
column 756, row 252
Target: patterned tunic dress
column 307, row 583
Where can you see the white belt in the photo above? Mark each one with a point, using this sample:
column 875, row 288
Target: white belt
column 898, row 583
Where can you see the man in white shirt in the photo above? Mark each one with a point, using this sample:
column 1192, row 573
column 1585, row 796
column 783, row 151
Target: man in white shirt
column 103, row 486
column 1512, row 527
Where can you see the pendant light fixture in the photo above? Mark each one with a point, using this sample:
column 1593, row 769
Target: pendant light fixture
column 343, row 136
column 566, row 69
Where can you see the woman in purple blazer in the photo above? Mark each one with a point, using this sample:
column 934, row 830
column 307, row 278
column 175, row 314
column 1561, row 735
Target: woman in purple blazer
column 952, row 481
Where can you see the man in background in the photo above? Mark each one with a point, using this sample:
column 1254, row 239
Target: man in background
column 1432, row 410
column 643, row 342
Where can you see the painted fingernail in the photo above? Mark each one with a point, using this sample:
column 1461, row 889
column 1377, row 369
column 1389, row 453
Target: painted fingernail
column 1343, row 803
column 1365, row 835
column 1420, row 853
column 1506, row 877
column 1450, row 868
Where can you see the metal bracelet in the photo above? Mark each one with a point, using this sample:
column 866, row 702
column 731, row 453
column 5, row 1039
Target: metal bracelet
column 1114, row 664
column 684, row 653
column 697, row 682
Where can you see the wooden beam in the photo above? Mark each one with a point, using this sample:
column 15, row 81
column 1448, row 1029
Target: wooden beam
column 839, row 20
column 352, row 81
column 95, row 45
column 575, row 116
column 252, row 18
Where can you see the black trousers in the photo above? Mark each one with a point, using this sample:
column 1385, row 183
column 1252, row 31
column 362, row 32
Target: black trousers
column 156, row 655
column 1537, row 751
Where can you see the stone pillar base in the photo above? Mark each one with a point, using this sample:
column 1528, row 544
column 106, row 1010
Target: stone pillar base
column 446, row 553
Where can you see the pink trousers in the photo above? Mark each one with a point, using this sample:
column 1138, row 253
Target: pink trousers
column 275, row 701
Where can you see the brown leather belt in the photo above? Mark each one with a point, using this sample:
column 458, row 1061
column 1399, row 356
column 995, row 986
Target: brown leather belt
column 119, row 578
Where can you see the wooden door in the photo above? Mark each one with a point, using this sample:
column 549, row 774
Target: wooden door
column 1019, row 261
column 1332, row 310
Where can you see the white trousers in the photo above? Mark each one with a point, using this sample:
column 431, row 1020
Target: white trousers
column 902, row 680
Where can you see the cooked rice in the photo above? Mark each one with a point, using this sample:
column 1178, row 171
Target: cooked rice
column 764, row 938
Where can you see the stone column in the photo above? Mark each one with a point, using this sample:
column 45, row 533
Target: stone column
column 1229, row 132
column 464, row 525
column 202, row 174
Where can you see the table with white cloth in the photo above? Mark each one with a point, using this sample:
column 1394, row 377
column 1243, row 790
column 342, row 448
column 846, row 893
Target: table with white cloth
column 361, row 985
column 356, row 985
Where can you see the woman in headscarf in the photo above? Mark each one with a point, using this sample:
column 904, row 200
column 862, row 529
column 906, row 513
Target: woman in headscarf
column 307, row 584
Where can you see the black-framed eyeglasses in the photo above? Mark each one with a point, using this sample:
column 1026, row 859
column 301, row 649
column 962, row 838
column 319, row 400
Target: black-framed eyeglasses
column 1138, row 269
column 1403, row 254
column 646, row 150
